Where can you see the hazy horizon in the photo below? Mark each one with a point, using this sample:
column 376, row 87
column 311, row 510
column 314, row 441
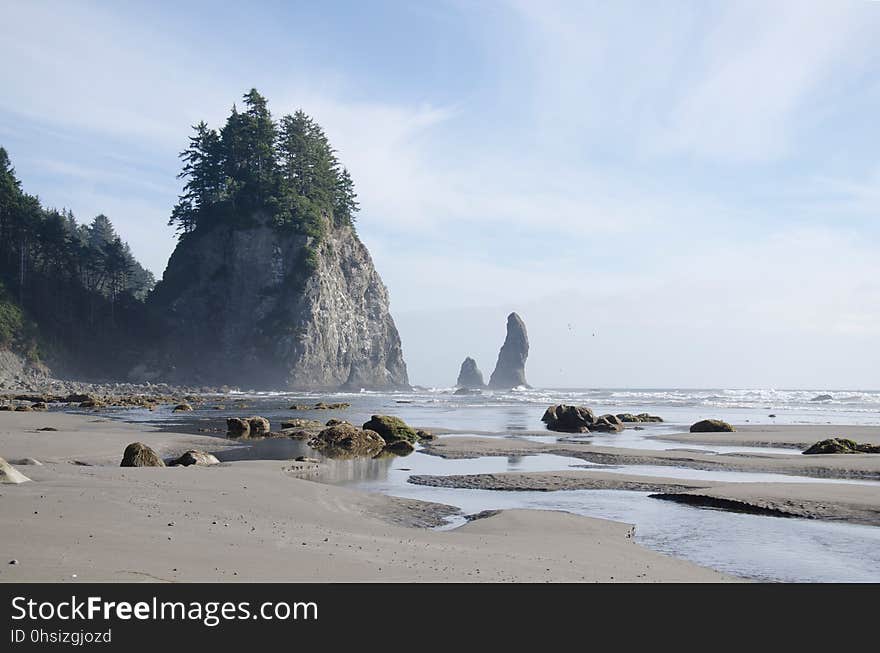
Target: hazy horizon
column 682, row 196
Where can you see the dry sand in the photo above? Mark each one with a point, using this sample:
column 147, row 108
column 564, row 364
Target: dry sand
column 260, row 521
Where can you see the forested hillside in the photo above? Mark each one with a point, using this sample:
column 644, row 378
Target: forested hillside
column 71, row 295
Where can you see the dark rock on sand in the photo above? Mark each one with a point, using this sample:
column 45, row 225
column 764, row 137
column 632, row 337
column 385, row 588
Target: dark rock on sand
column 238, row 428
column 137, row 454
column 470, row 376
column 822, row 398
column 510, row 370
column 425, row 436
column 391, row 429
column 182, row 408
column 569, row 419
column 842, row 445
column 712, row 426
column 196, row 457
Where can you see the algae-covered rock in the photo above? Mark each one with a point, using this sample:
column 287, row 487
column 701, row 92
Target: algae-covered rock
column 841, row 445
column 391, row 428
column 348, row 439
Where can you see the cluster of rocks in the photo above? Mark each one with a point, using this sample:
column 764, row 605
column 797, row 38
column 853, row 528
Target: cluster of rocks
column 712, row 426
column 321, row 406
column 842, row 445
column 580, row 419
column 510, row 369
column 382, row 434
column 182, row 401
column 248, row 427
column 137, row 454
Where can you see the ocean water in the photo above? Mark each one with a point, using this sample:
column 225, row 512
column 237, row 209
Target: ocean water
column 757, row 547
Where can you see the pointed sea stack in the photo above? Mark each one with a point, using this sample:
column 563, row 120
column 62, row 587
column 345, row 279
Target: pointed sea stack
column 510, row 370
column 470, row 375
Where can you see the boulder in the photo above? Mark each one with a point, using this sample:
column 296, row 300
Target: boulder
column 510, row 370
column 569, row 419
column 645, row 417
column 39, row 405
column 391, row 429
column 259, row 426
column 196, row 457
column 137, row 454
column 842, row 445
column 470, row 376
column 237, row 428
column 336, row 422
column 399, row 448
column 349, row 440
column 607, row 424
column 711, row 426
column 10, row 475
column 338, row 406
column 23, row 409
column 822, row 398
column 424, row 436
column 182, row 408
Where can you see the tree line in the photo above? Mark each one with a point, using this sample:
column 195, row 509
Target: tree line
column 79, row 282
column 286, row 169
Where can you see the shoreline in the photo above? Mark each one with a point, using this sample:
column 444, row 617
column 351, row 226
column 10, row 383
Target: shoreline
column 262, row 521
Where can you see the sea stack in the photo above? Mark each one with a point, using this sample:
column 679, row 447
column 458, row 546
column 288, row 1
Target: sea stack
column 269, row 286
column 470, row 375
column 510, row 370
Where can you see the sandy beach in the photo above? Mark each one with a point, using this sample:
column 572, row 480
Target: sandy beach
column 83, row 518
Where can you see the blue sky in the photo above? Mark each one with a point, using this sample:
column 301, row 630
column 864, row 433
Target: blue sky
column 671, row 194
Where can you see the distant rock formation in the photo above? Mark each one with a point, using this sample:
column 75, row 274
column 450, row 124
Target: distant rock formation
column 470, row 375
column 510, row 370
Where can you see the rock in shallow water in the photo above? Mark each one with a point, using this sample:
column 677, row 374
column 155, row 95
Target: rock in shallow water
column 712, row 426
column 346, row 439
column 569, row 419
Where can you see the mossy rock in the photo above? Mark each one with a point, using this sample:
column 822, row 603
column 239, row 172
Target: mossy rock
column 842, row 445
column 391, row 428
column 712, row 426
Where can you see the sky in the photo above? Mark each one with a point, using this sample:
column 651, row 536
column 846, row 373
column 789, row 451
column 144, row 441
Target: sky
column 676, row 194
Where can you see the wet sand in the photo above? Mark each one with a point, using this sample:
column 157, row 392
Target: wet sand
column 795, row 436
column 265, row 521
column 849, row 466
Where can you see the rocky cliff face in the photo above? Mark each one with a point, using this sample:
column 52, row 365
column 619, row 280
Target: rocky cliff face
column 264, row 307
column 510, row 369
column 470, row 375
